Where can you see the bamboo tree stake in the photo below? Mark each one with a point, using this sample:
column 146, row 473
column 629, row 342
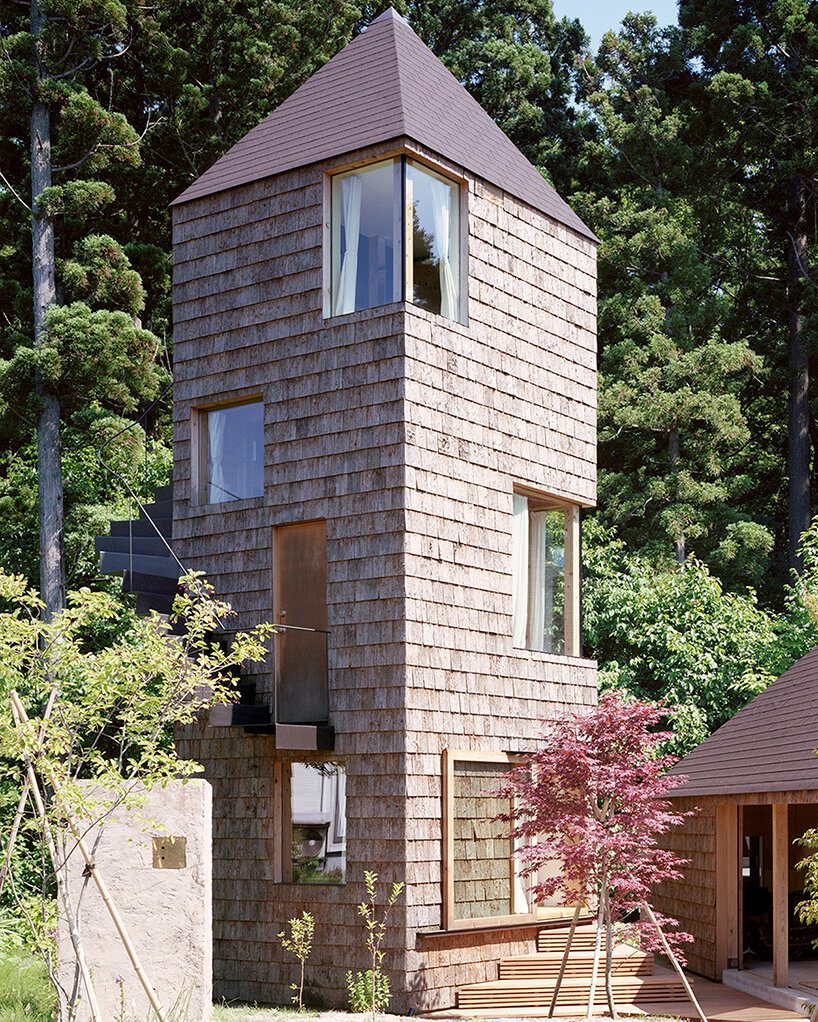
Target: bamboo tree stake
column 73, row 929
column 565, row 955
column 18, row 819
column 102, row 887
column 609, row 955
column 649, row 913
column 597, row 950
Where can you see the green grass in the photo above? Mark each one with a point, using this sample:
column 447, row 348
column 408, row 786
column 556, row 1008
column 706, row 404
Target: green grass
column 25, row 993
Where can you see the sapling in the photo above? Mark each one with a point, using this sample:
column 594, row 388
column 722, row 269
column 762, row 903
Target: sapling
column 374, row 982
column 592, row 798
column 299, row 943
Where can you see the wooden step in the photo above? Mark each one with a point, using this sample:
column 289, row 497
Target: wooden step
column 627, row 961
column 663, row 986
column 554, row 938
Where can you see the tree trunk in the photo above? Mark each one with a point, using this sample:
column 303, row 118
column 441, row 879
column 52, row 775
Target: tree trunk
column 673, row 458
column 49, row 460
column 798, row 433
column 609, row 956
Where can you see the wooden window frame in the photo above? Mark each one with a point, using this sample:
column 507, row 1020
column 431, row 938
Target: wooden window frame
column 572, row 577
column 448, row 921
column 403, row 227
column 199, row 447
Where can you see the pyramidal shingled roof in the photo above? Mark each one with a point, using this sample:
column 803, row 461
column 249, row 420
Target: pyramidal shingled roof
column 383, row 85
column 767, row 746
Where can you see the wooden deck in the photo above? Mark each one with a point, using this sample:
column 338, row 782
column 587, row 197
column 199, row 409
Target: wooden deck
column 720, row 1003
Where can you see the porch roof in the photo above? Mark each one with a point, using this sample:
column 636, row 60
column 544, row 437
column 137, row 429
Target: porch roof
column 769, row 746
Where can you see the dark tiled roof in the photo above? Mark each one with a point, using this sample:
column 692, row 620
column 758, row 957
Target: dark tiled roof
column 386, row 84
column 768, row 746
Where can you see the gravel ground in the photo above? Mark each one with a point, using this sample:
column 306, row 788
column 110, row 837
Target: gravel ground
column 251, row 1013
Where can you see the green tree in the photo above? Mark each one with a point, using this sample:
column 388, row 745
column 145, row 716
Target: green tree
column 110, row 720
column 757, row 83
column 73, row 335
column 679, row 636
column 673, row 430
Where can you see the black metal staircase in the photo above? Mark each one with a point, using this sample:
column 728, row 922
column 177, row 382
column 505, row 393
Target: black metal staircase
column 142, row 549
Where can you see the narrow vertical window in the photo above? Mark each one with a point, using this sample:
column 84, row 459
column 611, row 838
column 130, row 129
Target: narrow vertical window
column 318, row 823
column 432, row 256
column 231, row 453
column 545, row 576
column 366, row 238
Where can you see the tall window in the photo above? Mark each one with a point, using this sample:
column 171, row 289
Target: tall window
column 545, row 570
column 395, row 236
column 231, row 452
column 317, row 839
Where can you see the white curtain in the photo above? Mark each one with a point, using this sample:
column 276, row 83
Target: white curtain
column 351, row 207
column 539, row 597
column 442, row 218
column 216, row 455
column 519, row 571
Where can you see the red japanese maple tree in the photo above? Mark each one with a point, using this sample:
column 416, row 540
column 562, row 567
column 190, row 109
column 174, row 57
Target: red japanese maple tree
column 592, row 798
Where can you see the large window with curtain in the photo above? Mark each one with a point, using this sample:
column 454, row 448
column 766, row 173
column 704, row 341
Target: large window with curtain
column 230, row 452
column 395, row 236
column 545, row 546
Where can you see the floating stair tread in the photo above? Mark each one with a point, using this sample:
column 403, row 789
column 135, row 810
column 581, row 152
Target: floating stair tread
column 163, row 492
column 142, row 527
column 158, row 509
column 164, row 567
column 153, row 546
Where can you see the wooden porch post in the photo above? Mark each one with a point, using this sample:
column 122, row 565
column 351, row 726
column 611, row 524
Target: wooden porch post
column 727, row 890
column 781, row 895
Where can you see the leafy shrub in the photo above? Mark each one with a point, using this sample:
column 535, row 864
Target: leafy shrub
column 359, row 986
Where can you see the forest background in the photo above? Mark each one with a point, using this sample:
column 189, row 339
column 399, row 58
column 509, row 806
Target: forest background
column 691, row 151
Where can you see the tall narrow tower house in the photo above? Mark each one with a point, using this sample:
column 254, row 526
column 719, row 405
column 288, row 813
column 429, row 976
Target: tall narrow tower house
column 384, row 414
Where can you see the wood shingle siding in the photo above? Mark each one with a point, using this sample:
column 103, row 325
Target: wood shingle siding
column 405, row 432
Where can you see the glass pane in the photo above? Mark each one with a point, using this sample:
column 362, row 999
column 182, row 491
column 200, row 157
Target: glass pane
column 435, row 242
column 318, row 800
column 234, row 461
column 366, row 238
column 482, row 849
column 547, row 581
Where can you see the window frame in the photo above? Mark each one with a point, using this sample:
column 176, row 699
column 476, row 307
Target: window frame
column 572, row 571
column 331, row 246
column 283, row 819
column 199, row 449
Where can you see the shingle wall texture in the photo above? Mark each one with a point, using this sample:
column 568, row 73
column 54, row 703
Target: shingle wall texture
column 406, row 432
column 692, row 900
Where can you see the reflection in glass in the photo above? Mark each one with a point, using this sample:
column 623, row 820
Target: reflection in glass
column 318, row 801
column 232, row 455
column 366, row 209
column 434, row 270
column 377, row 212
column 538, row 555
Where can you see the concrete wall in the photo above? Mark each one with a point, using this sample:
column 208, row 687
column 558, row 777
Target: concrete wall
column 406, row 432
column 167, row 911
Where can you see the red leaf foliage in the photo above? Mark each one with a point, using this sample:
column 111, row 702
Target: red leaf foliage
column 592, row 797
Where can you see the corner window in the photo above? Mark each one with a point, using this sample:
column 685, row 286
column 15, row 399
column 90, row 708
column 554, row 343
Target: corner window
column 231, row 452
column 545, row 572
column 395, row 237
column 318, row 827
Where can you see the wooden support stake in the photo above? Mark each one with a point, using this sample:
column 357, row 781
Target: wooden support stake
column 674, row 961
column 56, row 862
column 565, row 954
column 102, row 887
column 609, row 956
column 597, row 949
